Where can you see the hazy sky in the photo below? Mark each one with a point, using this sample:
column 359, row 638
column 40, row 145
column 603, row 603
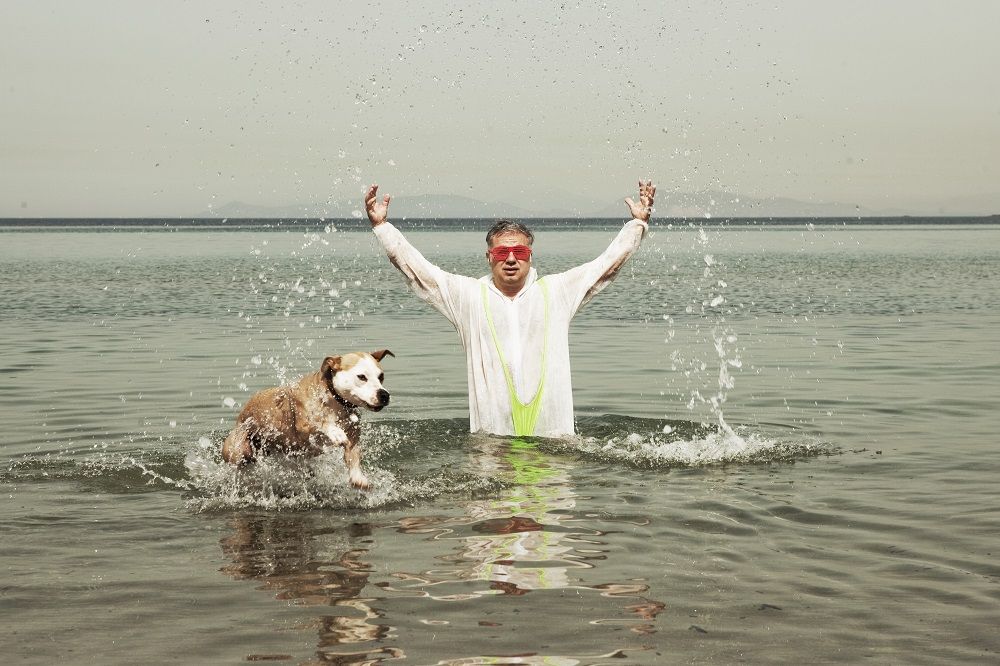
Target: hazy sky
column 162, row 108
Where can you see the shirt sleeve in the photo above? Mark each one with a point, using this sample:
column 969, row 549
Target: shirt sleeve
column 443, row 290
column 579, row 285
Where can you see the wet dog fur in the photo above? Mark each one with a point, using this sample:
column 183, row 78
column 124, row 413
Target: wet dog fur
column 318, row 411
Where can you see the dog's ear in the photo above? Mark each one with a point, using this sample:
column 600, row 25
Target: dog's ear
column 382, row 353
column 331, row 366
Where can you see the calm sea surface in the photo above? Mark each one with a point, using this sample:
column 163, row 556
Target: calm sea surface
column 788, row 453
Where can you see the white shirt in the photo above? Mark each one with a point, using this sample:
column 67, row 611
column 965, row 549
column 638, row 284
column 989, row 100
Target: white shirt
column 519, row 323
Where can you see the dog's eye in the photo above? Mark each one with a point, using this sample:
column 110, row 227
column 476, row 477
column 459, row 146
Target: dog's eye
column 381, row 377
column 362, row 378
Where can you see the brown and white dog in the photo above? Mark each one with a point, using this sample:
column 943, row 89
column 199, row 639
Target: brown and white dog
column 317, row 411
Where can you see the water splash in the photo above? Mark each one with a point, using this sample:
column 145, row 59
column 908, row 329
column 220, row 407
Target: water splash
column 726, row 380
column 122, row 461
column 408, row 462
column 282, row 483
column 296, row 285
column 645, row 444
column 709, row 307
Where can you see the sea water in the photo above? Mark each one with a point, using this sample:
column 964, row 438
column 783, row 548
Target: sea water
column 786, row 452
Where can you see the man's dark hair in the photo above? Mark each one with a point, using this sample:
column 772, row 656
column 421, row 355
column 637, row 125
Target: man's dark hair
column 506, row 226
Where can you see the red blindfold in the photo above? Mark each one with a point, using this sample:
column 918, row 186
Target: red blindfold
column 501, row 252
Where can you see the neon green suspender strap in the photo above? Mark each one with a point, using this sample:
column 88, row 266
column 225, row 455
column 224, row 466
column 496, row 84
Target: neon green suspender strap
column 525, row 415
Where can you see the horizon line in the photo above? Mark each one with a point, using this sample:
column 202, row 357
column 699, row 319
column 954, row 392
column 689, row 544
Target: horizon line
column 300, row 221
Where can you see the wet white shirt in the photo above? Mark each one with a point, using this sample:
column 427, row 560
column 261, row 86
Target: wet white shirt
column 519, row 323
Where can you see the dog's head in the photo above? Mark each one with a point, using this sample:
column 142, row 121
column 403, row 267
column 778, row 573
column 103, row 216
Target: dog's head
column 357, row 378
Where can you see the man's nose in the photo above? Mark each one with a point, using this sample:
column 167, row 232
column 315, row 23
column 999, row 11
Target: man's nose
column 510, row 258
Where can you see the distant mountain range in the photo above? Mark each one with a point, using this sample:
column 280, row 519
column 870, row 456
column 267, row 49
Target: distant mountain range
column 677, row 205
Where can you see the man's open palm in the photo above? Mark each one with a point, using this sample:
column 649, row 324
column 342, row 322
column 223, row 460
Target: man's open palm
column 378, row 212
column 643, row 209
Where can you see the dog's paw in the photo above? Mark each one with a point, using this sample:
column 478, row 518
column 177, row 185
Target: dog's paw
column 360, row 481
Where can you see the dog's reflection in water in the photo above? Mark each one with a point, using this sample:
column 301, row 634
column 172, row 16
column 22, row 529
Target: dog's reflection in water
column 305, row 564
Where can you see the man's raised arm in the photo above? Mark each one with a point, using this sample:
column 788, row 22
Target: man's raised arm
column 428, row 282
column 584, row 282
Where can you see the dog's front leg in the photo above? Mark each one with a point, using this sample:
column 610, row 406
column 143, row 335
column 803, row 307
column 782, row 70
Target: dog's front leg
column 352, row 454
column 352, row 458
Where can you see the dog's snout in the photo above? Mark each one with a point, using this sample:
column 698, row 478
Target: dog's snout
column 383, row 397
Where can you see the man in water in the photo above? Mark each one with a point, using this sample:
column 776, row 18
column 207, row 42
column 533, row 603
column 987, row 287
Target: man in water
column 514, row 325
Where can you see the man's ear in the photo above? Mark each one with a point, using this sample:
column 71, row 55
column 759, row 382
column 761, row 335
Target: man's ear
column 331, row 366
column 382, row 353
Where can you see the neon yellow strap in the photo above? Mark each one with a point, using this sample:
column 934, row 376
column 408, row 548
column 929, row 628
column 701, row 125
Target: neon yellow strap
column 525, row 415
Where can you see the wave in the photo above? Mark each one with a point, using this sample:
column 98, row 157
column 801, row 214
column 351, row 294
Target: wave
column 407, row 461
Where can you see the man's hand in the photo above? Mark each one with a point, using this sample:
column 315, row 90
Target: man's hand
column 377, row 212
column 643, row 209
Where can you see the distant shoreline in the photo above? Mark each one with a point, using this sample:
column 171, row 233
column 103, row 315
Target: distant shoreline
column 350, row 224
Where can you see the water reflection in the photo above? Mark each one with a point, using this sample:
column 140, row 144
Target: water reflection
column 531, row 539
column 302, row 562
column 509, row 579
column 515, row 543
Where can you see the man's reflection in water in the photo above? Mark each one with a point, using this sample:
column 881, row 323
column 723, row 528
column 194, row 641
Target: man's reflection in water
column 311, row 565
column 527, row 540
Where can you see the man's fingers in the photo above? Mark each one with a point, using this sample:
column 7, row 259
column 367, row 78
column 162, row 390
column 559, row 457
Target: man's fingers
column 385, row 200
column 647, row 190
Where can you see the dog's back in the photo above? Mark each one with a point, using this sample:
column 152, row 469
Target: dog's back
column 270, row 418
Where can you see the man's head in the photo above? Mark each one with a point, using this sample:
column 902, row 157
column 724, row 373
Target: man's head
column 509, row 271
